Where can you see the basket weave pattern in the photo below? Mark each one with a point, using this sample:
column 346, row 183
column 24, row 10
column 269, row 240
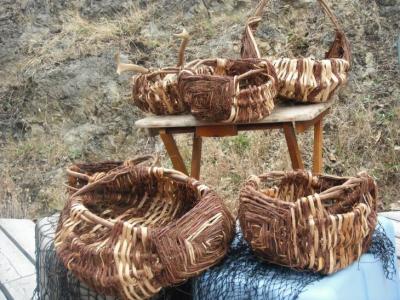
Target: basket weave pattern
column 136, row 229
column 310, row 80
column 322, row 223
column 305, row 79
column 232, row 91
column 157, row 93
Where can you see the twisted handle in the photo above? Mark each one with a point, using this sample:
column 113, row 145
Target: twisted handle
column 132, row 162
column 340, row 47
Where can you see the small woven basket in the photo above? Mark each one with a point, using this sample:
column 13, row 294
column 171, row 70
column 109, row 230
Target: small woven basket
column 321, row 223
column 157, row 92
column 305, row 79
column 135, row 229
column 231, row 91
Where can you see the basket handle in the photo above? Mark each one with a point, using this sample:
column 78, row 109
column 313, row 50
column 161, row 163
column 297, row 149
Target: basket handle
column 250, row 73
column 135, row 161
column 185, row 40
column 337, row 191
column 159, row 172
column 339, row 49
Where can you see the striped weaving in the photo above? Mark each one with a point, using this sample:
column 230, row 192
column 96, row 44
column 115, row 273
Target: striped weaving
column 305, row 79
column 310, row 80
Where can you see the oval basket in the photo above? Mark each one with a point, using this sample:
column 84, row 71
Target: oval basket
column 322, row 223
column 231, row 91
column 137, row 229
column 157, row 92
column 305, row 79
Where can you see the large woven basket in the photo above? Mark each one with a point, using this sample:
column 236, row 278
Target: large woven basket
column 322, row 223
column 232, row 91
column 305, row 79
column 136, row 229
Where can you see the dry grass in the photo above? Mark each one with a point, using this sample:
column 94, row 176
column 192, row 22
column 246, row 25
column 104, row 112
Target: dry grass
column 361, row 133
column 78, row 37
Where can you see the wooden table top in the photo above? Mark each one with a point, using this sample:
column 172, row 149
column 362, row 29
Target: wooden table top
column 283, row 113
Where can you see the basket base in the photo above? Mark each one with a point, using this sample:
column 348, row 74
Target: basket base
column 54, row 281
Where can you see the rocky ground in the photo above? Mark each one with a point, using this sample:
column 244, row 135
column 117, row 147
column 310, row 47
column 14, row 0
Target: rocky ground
column 61, row 100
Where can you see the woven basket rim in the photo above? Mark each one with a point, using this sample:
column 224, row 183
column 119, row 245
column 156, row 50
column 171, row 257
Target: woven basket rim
column 328, row 194
column 173, row 175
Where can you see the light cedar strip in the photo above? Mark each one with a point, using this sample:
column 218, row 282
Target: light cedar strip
column 281, row 114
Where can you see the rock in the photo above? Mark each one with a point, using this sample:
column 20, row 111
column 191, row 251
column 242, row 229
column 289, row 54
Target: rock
column 37, row 130
column 369, row 59
column 78, row 138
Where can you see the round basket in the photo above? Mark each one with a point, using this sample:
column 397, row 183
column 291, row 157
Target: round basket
column 155, row 91
column 231, row 91
column 322, row 223
column 305, row 79
column 138, row 229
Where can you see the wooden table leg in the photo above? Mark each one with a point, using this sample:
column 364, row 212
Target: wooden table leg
column 173, row 152
column 318, row 140
column 293, row 147
column 196, row 156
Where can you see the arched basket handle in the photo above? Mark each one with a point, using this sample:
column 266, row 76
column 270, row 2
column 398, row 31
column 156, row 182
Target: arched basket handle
column 135, row 161
column 362, row 180
column 340, row 47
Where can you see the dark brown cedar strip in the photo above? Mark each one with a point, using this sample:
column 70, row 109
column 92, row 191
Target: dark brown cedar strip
column 317, row 75
column 297, row 86
column 235, row 91
column 335, row 71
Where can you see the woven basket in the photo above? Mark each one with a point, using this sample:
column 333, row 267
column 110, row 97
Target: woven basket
column 232, row 91
column 155, row 91
column 322, row 223
column 136, row 229
column 305, row 79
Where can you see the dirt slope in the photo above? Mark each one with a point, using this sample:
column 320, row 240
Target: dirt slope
column 61, row 100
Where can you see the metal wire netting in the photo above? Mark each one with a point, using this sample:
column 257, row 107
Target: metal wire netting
column 54, row 281
column 241, row 276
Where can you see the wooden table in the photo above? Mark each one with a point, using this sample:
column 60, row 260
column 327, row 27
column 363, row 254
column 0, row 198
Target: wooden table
column 290, row 118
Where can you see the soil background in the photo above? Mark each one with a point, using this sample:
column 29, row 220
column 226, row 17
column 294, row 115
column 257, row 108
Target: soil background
column 61, row 100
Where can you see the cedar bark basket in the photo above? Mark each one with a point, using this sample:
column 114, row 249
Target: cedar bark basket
column 322, row 223
column 135, row 229
column 305, row 79
column 231, row 91
column 157, row 92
